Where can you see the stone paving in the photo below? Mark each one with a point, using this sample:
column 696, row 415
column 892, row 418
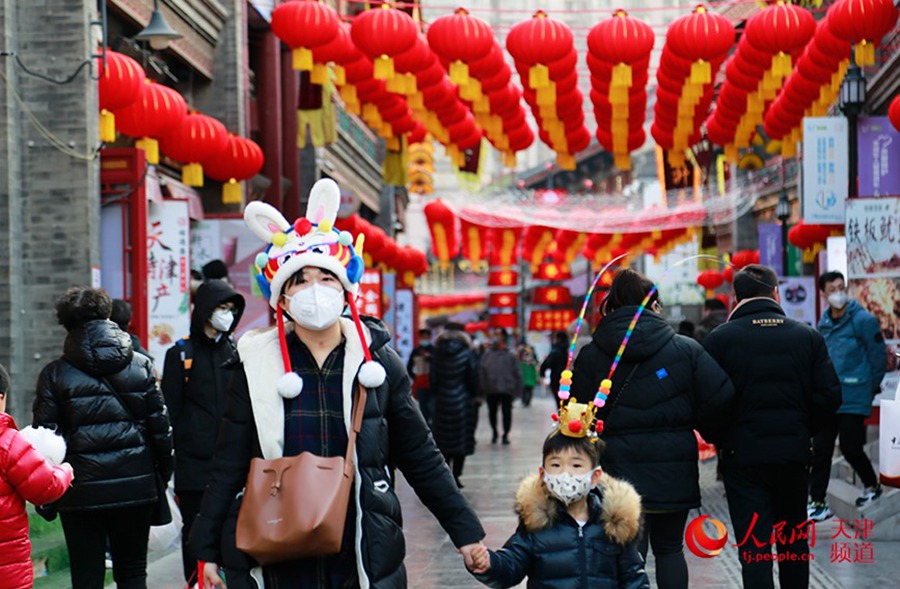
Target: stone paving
column 491, row 477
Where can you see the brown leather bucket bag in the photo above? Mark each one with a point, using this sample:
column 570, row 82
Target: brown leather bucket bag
column 296, row 507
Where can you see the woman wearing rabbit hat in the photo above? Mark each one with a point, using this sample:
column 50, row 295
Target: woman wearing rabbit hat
column 295, row 393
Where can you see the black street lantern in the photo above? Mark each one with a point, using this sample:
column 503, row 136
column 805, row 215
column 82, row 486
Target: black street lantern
column 852, row 101
column 158, row 32
column 783, row 212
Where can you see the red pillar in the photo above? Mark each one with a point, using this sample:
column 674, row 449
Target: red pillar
column 270, row 119
column 289, row 96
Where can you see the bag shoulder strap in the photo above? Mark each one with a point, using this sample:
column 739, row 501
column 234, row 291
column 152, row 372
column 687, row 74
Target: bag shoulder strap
column 615, row 395
column 356, row 424
column 186, row 347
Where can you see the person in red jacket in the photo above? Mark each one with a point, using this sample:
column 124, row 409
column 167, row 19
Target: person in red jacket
column 25, row 475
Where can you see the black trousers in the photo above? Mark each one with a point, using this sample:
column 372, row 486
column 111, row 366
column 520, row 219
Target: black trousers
column 456, row 464
column 189, row 506
column 495, row 401
column 527, row 394
column 852, row 432
column 664, row 532
column 87, row 532
column 765, row 502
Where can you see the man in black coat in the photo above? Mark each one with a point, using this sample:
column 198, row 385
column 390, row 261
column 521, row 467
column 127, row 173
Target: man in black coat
column 455, row 390
column 786, row 388
column 556, row 360
column 194, row 384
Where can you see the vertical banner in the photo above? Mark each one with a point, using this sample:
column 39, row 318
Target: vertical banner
column 168, row 276
column 369, row 300
column 879, row 157
column 873, row 269
column 825, row 173
column 388, row 296
column 405, row 320
column 798, row 298
column 770, row 247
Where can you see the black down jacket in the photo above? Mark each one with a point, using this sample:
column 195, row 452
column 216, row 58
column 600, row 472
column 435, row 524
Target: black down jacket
column 785, row 384
column 676, row 388
column 393, row 435
column 555, row 553
column 108, row 450
column 196, row 406
column 454, row 385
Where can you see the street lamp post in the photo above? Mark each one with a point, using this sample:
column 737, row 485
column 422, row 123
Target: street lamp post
column 783, row 212
column 158, row 32
column 852, row 100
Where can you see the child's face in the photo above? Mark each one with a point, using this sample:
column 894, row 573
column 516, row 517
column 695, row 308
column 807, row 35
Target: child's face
column 570, row 461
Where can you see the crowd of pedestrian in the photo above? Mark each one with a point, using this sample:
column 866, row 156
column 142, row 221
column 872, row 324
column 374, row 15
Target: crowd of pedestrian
column 324, row 387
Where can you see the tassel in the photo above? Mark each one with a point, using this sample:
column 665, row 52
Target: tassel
column 232, row 193
column 781, row 65
column 548, row 113
column 482, row 106
column 302, row 59
column 384, row 68
column 865, row 53
column 371, row 114
column 502, row 143
column 417, row 102
column 566, row 161
column 386, row 131
column 393, row 144
column 151, row 149
column 623, row 161
column 621, row 75
column 546, row 95
column 348, row 94
column 459, row 73
column 701, row 73
column 396, row 85
column 618, row 95
column 619, row 112
column 471, row 91
column 538, row 76
column 509, row 159
column 107, row 126
column 340, row 75
column 319, row 74
column 411, row 86
column 192, row 174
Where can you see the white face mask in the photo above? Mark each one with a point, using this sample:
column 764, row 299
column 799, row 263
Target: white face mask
column 316, row 307
column 569, row 488
column 222, row 320
column 838, row 299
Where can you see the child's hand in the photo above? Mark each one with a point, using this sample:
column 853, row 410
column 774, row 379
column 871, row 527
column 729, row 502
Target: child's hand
column 476, row 557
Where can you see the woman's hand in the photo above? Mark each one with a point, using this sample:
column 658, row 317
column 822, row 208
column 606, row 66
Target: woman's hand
column 211, row 576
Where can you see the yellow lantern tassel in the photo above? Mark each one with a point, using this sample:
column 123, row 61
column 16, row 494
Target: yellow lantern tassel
column 396, row 85
column 107, row 126
column 348, row 94
column 192, row 174
column 386, row 131
column 865, row 53
column 623, row 161
column 232, row 193
column 459, row 73
column 618, row 95
column 417, row 102
column 731, row 154
column 353, row 108
column 782, row 65
column 319, row 74
column 340, row 75
column 384, row 68
column 620, row 128
column 509, row 159
column 621, row 75
column 496, row 124
column 546, row 95
column 566, row 161
column 701, row 72
column 151, row 149
column 302, row 59
column 482, row 105
column 393, row 143
column 619, row 112
column 411, row 86
column 548, row 113
column 483, row 120
column 538, row 76
column 502, row 143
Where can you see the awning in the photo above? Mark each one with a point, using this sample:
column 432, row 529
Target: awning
column 179, row 191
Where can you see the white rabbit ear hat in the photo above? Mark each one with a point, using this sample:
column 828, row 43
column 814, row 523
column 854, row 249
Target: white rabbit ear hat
column 311, row 241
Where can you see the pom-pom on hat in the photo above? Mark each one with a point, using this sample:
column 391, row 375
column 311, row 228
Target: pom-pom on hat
column 310, row 241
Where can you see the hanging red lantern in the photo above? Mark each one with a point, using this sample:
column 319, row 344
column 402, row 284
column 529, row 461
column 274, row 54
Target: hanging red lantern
column 863, row 23
column 475, row 244
column 744, row 258
column 710, row 280
column 779, row 30
column 241, row 160
column 701, row 37
column 894, row 112
column 622, row 41
column 728, row 274
column 383, row 33
column 536, row 244
column 304, row 25
column 505, row 246
column 339, row 51
column 119, row 86
column 443, row 224
column 199, row 138
column 460, row 38
column 538, row 42
column 157, row 111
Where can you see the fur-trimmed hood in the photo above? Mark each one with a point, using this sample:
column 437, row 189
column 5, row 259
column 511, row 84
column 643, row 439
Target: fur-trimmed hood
column 613, row 503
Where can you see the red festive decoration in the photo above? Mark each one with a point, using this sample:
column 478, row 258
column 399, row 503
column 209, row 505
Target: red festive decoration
column 383, row 33
column 119, row 86
column 551, row 320
column 779, row 30
column 443, row 224
column 538, row 42
column 460, row 38
column 863, row 23
column 744, row 258
column 710, row 280
column 505, row 246
column 701, row 37
column 475, row 243
column 157, row 111
column 304, row 25
column 894, row 112
column 199, row 138
column 241, row 160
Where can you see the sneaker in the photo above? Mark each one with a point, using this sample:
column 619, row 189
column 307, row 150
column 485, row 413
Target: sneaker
column 811, row 508
column 870, row 495
column 820, row 513
column 108, row 561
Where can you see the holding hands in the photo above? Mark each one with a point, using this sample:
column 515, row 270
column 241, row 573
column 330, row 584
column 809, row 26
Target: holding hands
column 476, row 557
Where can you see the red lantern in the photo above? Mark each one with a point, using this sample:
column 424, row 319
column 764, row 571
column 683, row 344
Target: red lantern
column 383, row 33
column 710, row 280
column 781, row 29
column 119, row 86
column 304, row 25
column 537, row 42
column 621, row 41
column 701, row 37
column 443, row 224
column 241, row 160
column 863, row 23
column 460, row 38
column 744, row 258
column 157, row 111
column 894, row 112
column 198, row 139
column 728, row 274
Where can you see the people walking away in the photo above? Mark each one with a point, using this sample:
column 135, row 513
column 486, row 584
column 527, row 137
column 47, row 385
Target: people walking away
column 195, row 378
column 786, row 389
column 104, row 401
column 31, row 469
column 296, row 390
column 556, row 360
column 665, row 387
column 859, row 353
column 455, row 390
column 578, row 527
column 121, row 316
column 500, row 378
column 529, row 363
column 215, row 270
column 418, row 368
column 714, row 314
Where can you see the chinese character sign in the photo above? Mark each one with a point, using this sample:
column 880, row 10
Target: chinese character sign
column 824, row 169
column 879, row 157
column 368, row 302
column 168, row 275
column 873, row 268
column 404, row 319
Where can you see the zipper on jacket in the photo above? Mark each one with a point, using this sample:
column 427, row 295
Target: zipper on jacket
column 583, row 554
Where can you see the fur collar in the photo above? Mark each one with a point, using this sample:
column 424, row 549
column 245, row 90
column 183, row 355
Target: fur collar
column 620, row 513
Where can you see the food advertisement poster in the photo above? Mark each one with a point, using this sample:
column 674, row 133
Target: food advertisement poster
column 873, row 268
column 168, row 275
